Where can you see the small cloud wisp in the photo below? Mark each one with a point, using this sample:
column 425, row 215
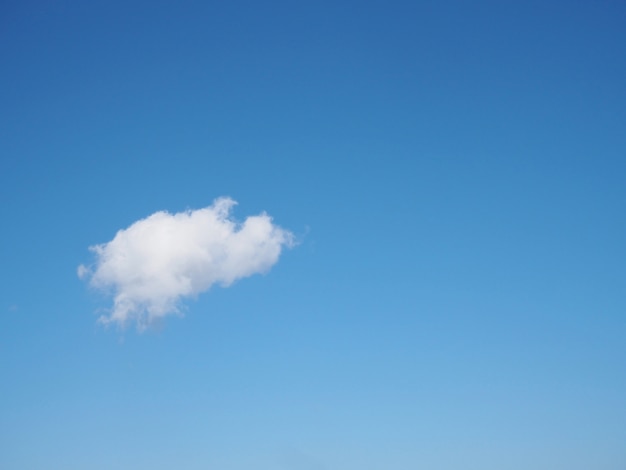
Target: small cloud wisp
column 157, row 261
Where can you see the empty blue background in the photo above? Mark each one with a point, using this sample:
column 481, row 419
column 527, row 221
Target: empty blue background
column 454, row 172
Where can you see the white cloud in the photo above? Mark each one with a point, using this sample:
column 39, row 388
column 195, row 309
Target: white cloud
column 157, row 261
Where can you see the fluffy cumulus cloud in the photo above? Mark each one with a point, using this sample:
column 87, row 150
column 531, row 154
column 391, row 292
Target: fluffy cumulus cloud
column 157, row 261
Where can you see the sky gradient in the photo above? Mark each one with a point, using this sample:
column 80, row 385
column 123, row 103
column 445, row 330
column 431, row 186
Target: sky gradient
column 453, row 174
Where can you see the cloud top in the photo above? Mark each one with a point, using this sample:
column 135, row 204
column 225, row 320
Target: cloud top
column 157, row 261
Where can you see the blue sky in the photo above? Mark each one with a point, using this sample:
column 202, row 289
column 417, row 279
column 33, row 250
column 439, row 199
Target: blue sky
column 453, row 173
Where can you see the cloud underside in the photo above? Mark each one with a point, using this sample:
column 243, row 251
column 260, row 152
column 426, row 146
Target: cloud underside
column 152, row 265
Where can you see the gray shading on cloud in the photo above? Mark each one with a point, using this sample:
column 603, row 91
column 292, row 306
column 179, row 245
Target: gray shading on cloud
column 149, row 267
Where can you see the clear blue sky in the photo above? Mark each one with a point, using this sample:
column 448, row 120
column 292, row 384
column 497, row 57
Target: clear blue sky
column 455, row 173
